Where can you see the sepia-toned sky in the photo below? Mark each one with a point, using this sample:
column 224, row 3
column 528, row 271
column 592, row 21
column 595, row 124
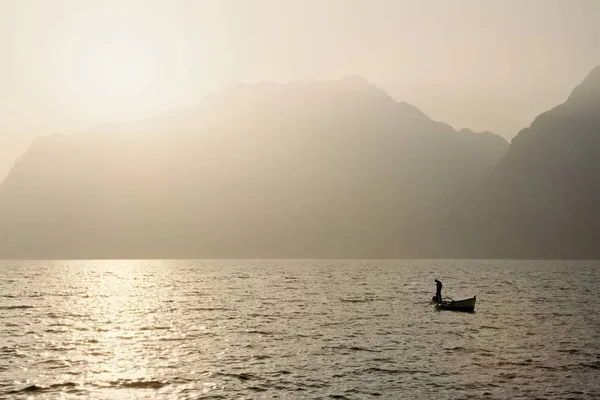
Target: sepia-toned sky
column 481, row 64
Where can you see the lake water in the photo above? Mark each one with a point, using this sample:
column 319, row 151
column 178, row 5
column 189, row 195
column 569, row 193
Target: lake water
column 298, row 330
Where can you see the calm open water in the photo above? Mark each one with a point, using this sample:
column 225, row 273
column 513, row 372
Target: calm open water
column 298, row 330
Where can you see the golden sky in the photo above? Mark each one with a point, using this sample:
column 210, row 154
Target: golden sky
column 485, row 65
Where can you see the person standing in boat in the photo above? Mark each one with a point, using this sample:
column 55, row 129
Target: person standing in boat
column 438, row 290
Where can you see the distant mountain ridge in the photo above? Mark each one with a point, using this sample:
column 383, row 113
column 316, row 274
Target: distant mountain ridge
column 310, row 170
column 305, row 170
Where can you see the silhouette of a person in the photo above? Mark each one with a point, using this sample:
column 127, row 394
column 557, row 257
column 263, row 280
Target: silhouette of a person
column 438, row 290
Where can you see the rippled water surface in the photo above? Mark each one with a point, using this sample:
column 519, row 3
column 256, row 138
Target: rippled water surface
column 298, row 330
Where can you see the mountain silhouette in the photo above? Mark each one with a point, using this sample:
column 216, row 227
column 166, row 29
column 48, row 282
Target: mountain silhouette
column 304, row 170
column 543, row 199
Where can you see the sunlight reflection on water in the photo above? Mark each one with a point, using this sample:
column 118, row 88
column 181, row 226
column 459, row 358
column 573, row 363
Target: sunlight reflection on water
column 297, row 329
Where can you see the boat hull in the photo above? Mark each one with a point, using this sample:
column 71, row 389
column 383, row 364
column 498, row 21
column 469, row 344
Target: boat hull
column 466, row 305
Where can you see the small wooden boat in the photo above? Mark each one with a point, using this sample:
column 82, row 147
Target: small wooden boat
column 467, row 305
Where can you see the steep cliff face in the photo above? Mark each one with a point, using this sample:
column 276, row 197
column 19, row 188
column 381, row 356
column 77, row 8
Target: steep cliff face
column 309, row 169
column 543, row 198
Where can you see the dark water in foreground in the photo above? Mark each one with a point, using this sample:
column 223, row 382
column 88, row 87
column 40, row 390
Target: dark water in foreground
column 298, row 330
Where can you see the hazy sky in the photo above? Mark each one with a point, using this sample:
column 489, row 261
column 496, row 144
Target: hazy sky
column 482, row 64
